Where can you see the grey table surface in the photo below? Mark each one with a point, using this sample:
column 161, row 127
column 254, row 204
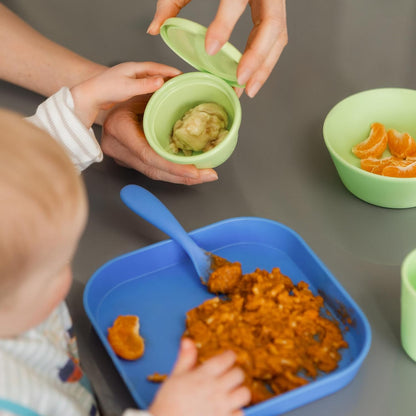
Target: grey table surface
column 280, row 169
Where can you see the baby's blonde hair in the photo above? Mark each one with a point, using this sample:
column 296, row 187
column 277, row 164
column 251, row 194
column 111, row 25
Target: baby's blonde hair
column 39, row 188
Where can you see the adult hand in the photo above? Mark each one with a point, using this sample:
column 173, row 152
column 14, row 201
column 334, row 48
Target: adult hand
column 123, row 139
column 265, row 43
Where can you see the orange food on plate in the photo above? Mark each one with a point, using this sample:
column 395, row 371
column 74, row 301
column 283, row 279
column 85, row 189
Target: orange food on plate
column 276, row 328
column 374, row 145
column 401, row 171
column 157, row 377
column 401, row 145
column 124, row 337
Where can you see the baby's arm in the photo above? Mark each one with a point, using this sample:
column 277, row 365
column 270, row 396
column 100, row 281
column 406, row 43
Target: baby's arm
column 212, row 389
column 118, row 84
column 68, row 114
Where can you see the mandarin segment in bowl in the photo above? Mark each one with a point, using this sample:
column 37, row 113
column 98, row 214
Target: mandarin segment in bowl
column 377, row 166
column 374, row 145
column 401, row 144
column 402, row 147
column 401, row 171
column 374, row 165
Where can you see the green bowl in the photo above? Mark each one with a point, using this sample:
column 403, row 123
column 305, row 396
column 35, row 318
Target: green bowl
column 178, row 95
column 348, row 123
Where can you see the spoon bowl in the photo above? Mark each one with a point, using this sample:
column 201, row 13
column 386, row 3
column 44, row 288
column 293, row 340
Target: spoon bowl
column 147, row 206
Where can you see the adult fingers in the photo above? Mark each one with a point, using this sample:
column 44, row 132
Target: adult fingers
column 141, row 156
column 187, row 357
column 268, row 37
column 259, row 77
column 219, row 31
column 168, row 172
column 164, row 10
column 239, row 91
column 123, row 139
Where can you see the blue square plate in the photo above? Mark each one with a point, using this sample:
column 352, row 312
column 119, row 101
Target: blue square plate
column 159, row 284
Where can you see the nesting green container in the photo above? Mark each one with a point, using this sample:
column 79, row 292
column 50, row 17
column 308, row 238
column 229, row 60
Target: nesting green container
column 213, row 84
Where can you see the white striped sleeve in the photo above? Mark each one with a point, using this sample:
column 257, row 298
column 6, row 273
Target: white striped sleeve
column 56, row 116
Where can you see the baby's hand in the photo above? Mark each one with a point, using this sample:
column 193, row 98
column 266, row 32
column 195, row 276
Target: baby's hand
column 212, row 389
column 118, row 84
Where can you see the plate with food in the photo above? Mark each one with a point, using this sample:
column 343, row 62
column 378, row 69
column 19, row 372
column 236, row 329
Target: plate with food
column 298, row 334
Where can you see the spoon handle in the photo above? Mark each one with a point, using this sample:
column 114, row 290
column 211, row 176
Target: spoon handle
column 146, row 205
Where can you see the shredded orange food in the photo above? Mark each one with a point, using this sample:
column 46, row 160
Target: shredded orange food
column 274, row 326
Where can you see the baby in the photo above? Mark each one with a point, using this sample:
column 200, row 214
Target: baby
column 43, row 212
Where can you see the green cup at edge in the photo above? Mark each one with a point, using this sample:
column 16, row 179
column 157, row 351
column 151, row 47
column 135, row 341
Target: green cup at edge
column 408, row 305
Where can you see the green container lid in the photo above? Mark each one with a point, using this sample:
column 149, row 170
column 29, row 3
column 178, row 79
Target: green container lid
column 187, row 40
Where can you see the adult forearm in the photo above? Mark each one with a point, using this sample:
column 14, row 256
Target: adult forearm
column 32, row 61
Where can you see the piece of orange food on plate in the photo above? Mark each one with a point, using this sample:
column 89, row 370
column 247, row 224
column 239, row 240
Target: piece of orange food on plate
column 124, row 337
column 374, row 145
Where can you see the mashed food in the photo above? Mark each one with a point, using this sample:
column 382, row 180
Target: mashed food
column 200, row 129
column 275, row 327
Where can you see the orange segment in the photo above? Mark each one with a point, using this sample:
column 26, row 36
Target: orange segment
column 376, row 166
column 401, row 144
column 374, row 145
column 406, row 169
column 124, row 337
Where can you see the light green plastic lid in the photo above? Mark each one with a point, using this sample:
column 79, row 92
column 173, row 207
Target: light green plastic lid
column 187, row 39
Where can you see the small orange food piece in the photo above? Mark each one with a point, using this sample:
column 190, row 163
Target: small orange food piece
column 374, row 165
column 401, row 144
column 407, row 169
column 124, row 337
column 374, row 145
column 157, row 377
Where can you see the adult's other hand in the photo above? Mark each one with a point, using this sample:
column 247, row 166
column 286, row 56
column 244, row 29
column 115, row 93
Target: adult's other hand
column 265, row 43
column 123, row 139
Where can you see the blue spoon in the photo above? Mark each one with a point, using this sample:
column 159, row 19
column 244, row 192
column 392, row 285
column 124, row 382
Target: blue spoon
column 146, row 205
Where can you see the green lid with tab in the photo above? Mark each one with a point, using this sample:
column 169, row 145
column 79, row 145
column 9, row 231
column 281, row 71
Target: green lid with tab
column 187, row 39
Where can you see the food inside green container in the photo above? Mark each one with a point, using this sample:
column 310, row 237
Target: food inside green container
column 200, row 129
